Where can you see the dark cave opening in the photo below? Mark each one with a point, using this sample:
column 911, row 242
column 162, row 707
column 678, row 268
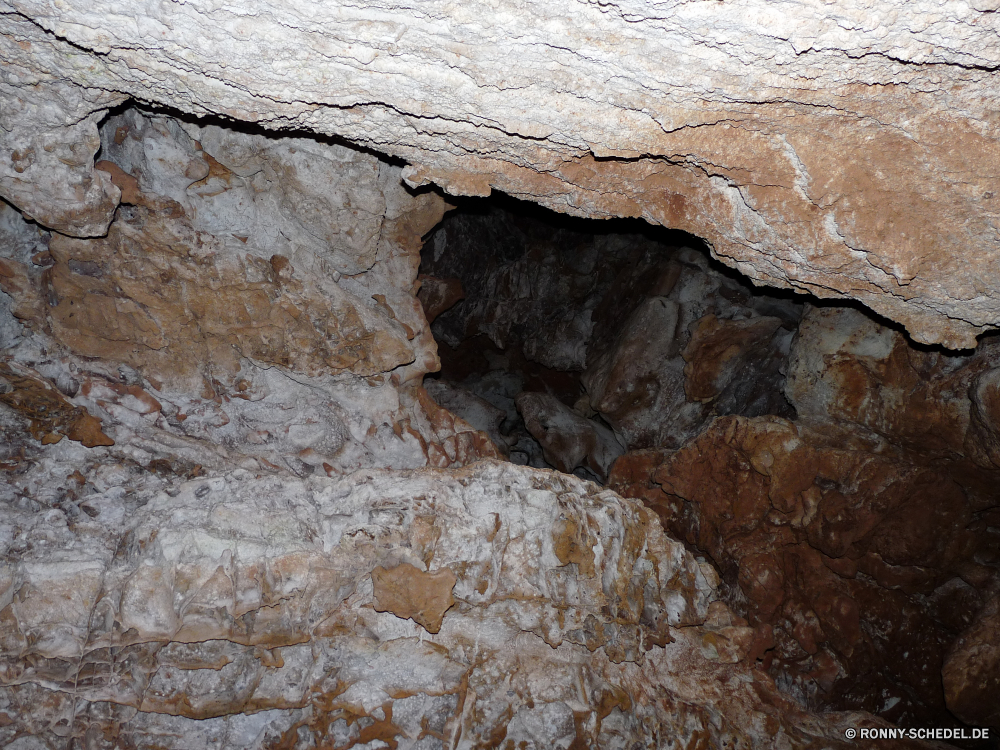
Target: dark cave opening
column 841, row 480
column 798, row 444
column 582, row 336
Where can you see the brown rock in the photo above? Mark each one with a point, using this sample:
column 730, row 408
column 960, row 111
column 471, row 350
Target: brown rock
column 568, row 439
column 792, row 516
column 972, row 670
column 846, row 367
column 676, row 343
column 413, row 594
column 51, row 415
column 437, row 295
column 208, row 308
column 126, row 183
column 718, row 348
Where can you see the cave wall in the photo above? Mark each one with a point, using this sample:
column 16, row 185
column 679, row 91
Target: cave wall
column 257, row 314
column 212, row 355
column 850, row 151
column 840, row 477
column 226, row 520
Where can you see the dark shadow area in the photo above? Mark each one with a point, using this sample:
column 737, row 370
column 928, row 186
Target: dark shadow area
column 820, row 459
column 581, row 338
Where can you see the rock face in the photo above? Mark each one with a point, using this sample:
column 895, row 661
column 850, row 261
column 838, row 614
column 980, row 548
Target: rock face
column 497, row 606
column 568, row 439
column 849, row 558
column 252, row 304
column 848, row 151
column 226, row 518
column 860, row 540
column 652, row 337
column 972, row 670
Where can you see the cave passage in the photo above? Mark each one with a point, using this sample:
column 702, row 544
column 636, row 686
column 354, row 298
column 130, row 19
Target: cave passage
column 243, row 358
column 570, row 341
column 834, row 473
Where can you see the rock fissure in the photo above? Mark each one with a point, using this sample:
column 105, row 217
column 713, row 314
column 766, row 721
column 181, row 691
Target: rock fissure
column 290, row 458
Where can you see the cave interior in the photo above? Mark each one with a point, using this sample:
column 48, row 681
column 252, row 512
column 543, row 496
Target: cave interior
column 281, row 306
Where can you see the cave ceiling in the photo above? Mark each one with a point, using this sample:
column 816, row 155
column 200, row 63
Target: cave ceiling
column 848, row 150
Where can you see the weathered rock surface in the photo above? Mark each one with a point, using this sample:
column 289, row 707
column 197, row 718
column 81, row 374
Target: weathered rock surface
column 662, row 340
column 478, row 412
column 676, row 343
column 252, row 304
column 204, row 298
column 48, row 138
column 568, row 439
column 239, row 612
column 848, row 369
column 859, row 566
column 972, row 670
column 847, row 150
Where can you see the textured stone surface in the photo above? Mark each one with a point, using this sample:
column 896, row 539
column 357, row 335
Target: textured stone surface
column 677, row 342
column 847, row 150
column 849, row 369
column 972, row 670
column 48, row 138
column 254, row 611
column 568, row 439
column 663, row 340
column 252, row 304
column 859, row 566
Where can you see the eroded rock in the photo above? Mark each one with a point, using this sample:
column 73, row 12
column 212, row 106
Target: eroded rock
column 818, row 148
column 254, row 301
column 568, row 439
column 48, row 139
column 972, row 670
column 230, row 594
column 847, row 555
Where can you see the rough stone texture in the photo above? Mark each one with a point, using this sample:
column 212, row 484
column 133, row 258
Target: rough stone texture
column 478, row 412
column 858, row 566
column 849, row 369
column 676, row 343
column 252, row 304
column 662, row 339
column 230, row 611
column 972, row 670
column 48, row 138
column 568, row 439
column 847, row 150
column 438, row 295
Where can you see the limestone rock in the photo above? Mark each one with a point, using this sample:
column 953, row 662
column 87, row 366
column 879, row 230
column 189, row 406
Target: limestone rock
column 816, row 147
column 170, row 616
column 848, row 559
column 676, row 342
column 568, row 439
column 972, row 670
column 438, row 295
column 849, row 369
column 414, row 594
column 48, row 138
column 479, row 413
column 258, row 291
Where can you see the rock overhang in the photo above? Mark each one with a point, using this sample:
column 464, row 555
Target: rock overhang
column 848, row 152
